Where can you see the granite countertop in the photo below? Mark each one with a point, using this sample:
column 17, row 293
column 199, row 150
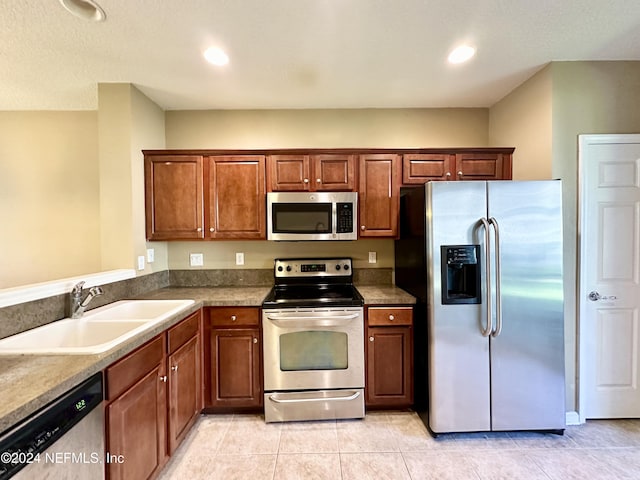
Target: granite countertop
column 29, row 382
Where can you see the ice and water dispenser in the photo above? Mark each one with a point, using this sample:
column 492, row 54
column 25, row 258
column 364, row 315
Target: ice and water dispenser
column 460, row 274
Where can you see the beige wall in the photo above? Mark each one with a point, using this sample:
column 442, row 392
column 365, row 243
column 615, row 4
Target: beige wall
column 445, row 127
column 523, row 119
column 49, row 194
column 128, row 122
column 367, row 128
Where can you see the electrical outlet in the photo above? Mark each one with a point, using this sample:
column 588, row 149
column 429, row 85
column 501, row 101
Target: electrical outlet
column 151, row 255
column 239, row 258
column 196, row 259
column 141, row 262
column 373, row 257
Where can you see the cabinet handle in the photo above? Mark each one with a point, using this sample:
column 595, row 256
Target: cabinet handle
column 362, row 227
column 163, row 378
column 199, row 229
column 174, row 368
column 391, row 318
column 255, row 340
column 233, row 318
column 212, row 229
column 448, row 175
column 318, row 180
column 460, row 174
column 371, row 339
column 306, row 180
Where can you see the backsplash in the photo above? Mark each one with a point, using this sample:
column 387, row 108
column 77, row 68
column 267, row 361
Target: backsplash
column 25, row 316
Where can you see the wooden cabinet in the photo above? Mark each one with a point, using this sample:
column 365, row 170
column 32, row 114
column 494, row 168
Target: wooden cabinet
column 379, row 195
column 174, row 197
column 184, row 378
column 472, row 164
column 192, row 197
column 233, row 376
column 136, row 416
column 236, row 197
column 153, row 398
column 389, row 352
column 316, row 172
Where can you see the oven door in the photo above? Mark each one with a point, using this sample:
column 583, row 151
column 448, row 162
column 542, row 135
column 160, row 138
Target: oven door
column 313, row 349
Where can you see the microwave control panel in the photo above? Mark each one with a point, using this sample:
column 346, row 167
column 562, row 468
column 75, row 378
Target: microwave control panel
column 345, row 217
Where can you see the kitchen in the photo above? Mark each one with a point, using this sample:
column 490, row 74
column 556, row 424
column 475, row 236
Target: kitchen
column 96, row 146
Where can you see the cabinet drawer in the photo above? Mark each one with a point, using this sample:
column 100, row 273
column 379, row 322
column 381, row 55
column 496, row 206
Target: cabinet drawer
column 234, row 316
column 179, row 334
column 127, row 371
column 390, row 316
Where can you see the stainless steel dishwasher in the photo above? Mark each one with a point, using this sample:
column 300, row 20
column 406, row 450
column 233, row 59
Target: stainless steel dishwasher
column 63, row 440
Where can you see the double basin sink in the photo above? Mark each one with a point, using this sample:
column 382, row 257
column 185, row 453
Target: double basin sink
column 97, row 331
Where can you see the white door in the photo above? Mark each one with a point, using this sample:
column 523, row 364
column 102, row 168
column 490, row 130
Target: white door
column 609, row 293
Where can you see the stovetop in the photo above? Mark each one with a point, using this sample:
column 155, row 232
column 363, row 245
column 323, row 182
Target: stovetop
column 325, row 282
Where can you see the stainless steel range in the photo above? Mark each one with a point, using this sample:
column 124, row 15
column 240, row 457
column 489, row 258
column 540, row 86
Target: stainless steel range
column 313, row 334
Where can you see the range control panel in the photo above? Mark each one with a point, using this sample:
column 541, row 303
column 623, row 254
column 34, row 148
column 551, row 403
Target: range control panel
column 313, row 267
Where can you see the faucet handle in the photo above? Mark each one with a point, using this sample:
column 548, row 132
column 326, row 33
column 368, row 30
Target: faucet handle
column 77, row 288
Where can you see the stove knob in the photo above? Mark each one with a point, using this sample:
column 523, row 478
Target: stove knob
column 346, row 267
column 288, row 268
column 337, row 267
column 280, row 268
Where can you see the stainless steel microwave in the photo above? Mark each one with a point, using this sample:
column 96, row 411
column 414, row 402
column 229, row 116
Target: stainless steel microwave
column 312, row 215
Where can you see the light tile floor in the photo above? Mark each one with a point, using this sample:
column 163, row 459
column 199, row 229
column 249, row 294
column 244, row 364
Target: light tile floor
column 396, row 446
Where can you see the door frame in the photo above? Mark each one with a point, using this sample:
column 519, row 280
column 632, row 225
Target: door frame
column 583, row 156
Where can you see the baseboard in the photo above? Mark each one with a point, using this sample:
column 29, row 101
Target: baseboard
column 573, row 418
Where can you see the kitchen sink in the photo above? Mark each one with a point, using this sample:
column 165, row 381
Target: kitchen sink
column 97, row 331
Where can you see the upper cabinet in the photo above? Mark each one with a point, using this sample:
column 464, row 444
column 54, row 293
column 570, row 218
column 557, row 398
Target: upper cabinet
column 196, row 197
column 462, row 164
column 236, row 197
column 379, row 194
column 308, row 173
column 174, row 197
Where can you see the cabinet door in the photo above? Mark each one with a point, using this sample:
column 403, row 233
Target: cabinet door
column 423, row 167
column 333, row 172
column 235, row 368
column 184, row 390
column 379, row 195
column 174, row 197
column 483, row 166
column 389, row 367
column 236, row 198
column 136, row 428
column 288, row 173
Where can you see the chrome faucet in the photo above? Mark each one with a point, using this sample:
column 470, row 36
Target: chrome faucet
column 78, row 305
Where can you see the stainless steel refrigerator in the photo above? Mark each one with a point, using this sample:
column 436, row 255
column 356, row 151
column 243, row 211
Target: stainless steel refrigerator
column 484, row 259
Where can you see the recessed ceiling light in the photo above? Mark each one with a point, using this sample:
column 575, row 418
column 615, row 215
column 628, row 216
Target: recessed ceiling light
column 461, row 54
column 85, row 9
column 216, row 56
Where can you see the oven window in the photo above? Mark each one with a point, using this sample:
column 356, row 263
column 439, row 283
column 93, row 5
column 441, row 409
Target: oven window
column 313, row 350
column 301, row 217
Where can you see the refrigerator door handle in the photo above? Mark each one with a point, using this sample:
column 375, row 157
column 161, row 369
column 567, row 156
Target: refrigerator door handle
column 498, row 328
column 487, row 271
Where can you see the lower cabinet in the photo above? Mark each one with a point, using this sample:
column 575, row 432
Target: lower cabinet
column 233, row 359
column 153, row 397
column 389, row 352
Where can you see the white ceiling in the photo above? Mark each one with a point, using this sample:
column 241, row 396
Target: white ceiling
column 300, row 53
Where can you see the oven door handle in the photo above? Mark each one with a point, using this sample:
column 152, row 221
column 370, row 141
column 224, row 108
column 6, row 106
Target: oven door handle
column 355, row 395
column 320, row 321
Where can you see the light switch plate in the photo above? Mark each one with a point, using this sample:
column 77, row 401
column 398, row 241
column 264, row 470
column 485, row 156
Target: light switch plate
column 239, row 258
column 196, row 259
column 373, row 257
column 141, row 262
column 151, row 255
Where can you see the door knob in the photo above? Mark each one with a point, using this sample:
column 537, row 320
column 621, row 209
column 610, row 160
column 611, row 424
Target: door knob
column 595, row 296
